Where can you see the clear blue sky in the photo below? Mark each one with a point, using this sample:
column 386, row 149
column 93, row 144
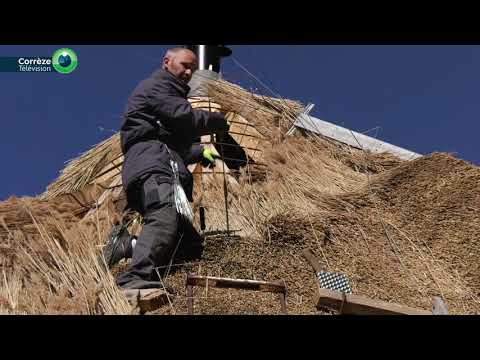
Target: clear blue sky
column 423, row 98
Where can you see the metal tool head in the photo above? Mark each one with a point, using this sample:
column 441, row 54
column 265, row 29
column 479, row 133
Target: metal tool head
column 334, row 281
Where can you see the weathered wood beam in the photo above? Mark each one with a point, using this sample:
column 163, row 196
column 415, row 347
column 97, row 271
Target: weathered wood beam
column 361, row 305
column 278, row 287
column 211, row 281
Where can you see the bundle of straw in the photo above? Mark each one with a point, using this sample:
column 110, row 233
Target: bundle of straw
column 86, row 168
column 267, row 114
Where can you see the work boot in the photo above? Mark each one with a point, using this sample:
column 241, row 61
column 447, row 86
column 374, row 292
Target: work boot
column 189, row 252
column 118, row 247
column 139, row 284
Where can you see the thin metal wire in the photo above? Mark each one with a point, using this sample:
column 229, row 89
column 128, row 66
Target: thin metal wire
column 276, row 94
column 225, row 189
column 253, row 76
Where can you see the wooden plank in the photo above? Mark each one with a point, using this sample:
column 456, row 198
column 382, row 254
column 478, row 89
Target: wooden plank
column 204, row 103
column 190, row 299
column 146, row 299
column 283, row 304
column 361, row 305
column 312, row 260
column 196, row 170
column 109, row 171
column 246, row 136
column 211, row 281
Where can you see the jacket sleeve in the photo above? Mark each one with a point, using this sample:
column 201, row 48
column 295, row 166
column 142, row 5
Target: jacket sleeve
column 177, row 114
column 194, row 154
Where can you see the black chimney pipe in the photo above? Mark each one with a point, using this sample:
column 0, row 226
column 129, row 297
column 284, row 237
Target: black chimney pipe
column 209, row 55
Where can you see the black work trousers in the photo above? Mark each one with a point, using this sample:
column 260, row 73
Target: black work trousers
column 162, row 231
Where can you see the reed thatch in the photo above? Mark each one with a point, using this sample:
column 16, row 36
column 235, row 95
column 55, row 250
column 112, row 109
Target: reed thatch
column 272, row 117
column 88, row 167
column 403, row 231
column 49, row 260
column 403, row 234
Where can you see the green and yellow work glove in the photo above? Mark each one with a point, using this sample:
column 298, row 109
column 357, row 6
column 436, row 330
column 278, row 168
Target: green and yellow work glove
column 208, row 157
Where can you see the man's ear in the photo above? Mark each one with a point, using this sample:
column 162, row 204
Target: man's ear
column 166, row 62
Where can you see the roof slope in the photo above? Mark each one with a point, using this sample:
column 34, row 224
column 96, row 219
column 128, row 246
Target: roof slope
column 403, row 231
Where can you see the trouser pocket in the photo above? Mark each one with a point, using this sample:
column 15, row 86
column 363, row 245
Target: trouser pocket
column 157, row 193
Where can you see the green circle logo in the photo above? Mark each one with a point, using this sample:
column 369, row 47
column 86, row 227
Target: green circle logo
column 64, row 60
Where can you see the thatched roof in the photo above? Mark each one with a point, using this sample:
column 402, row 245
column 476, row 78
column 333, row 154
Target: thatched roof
column 402, row 231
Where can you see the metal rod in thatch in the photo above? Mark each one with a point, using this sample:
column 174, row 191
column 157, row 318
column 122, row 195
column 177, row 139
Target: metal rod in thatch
column 253, row 172
column 232, row 145
column 248, row 135
column 245, row 161
column 242, row 123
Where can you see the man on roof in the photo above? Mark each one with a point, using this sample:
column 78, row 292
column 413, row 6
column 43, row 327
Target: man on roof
column 160, row 125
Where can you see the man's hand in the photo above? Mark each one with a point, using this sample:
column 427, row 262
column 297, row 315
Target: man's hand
column 208, row 157
column 219, row 123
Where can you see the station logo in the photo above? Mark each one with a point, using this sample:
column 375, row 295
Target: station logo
column 63, row 61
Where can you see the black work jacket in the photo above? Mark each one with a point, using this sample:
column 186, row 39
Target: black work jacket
column 159, row 124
